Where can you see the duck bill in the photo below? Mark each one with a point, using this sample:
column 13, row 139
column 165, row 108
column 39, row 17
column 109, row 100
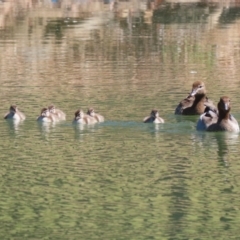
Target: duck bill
column 226, row 106
column 193, row 93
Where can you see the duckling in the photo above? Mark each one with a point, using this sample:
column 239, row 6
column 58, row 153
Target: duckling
column 46, row 116
column 153, row 118
column 97, row 116
column 225, row 121
column 81, row 117
column 14, row 114
column 196, row 101
column 59, row 115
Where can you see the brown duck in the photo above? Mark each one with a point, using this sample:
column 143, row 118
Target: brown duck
column 196, row 102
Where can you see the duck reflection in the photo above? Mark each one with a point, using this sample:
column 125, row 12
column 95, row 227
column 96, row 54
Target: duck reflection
column 46, row 127
column 226, row 143
column 14, row 125
column 81, row 130
column 223, row 142
column 154, row 129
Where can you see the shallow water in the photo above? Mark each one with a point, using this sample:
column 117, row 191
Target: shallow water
column 121, row 179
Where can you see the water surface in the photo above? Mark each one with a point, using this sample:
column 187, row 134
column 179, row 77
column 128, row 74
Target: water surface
column 121, row 179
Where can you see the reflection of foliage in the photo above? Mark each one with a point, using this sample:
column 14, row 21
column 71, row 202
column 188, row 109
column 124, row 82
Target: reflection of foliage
column 229, row 15
column 181, row 13
column 57, row 26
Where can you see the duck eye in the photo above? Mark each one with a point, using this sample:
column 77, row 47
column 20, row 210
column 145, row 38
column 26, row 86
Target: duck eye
column 200, row 86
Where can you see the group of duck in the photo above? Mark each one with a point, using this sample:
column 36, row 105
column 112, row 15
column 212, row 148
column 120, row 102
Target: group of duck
column 53, row 114
column 211, row 118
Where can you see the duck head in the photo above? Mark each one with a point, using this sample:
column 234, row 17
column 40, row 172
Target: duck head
column 154, row 113
column 13, row 108
column 198, row 88
column 45, row 112
column 91, row 112
column 79, row 114
column 52, row 109
column 224, row 104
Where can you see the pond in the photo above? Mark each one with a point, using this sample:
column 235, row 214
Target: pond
column 120, row 179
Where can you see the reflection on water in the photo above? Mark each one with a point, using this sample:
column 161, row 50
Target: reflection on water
column 81, row 130
column 46, row 127
column 223, row 143
column 14, row 125
column 121, row 179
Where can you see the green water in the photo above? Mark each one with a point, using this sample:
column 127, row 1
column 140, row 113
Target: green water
column 121, row 179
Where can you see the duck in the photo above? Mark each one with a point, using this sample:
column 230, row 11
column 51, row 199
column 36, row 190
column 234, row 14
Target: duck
column 59, row 114
column 196, row 102
column 153, row 118
column 224, row 121
column 46, row 116
column 14, row 114
column 95, row 115
column 81, row 117
column 206, row 119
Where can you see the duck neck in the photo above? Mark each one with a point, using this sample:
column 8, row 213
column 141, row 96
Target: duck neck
column 223, row 114
column 153, row 117
column 198, row 98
